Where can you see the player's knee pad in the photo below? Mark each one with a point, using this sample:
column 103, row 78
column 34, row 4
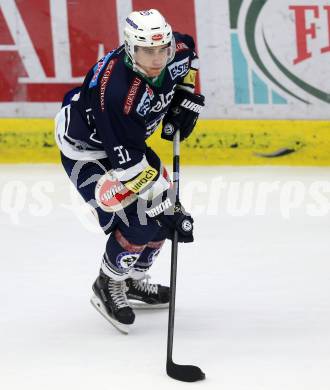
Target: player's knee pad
column 120, row 256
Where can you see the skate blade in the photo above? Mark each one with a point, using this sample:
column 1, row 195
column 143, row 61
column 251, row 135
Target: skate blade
column 147, row 306
column 97, row 303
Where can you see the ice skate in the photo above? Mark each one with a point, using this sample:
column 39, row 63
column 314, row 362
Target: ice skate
column 110, row 300
column 145, row 295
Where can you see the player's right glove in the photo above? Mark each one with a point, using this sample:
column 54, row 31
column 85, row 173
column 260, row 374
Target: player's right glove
column 182, row 114
column 173, row 217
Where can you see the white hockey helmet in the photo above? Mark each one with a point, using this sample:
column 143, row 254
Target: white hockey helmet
column 147, row 29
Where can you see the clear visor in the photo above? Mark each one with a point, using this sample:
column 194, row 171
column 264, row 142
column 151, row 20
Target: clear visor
column 154, row 57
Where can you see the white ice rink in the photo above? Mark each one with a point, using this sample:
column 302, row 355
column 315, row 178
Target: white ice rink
column 253, row 293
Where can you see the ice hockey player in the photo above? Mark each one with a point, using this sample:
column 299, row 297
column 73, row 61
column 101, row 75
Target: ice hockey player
column 101, row 131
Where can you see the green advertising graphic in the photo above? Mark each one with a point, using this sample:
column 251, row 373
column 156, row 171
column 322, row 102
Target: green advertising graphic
column 287, row 49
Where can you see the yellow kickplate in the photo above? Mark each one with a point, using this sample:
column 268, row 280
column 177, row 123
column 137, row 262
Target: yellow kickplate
column 214, row 142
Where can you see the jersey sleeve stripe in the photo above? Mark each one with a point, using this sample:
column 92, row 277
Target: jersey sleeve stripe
column 130, row 173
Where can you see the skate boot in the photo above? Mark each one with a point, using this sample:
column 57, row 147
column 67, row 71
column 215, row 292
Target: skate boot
column 110, row 300
column 145, row 295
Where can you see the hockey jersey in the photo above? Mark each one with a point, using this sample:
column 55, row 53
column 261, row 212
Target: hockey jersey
column 117, row 109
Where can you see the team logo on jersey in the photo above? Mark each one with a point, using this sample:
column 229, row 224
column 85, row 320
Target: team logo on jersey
column 131, row 95
column 125, row 260
column 145, row 103
column 179, row 68
column 163, row 102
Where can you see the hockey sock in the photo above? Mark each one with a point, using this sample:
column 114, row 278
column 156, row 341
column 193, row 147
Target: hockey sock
column 146, row 259
column 120, row 256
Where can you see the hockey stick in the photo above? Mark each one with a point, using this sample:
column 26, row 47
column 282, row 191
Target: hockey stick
column 176, row 371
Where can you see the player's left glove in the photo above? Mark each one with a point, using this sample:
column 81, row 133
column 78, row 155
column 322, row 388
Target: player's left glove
column 172, row 216
column 181, row 221
column 182, row 114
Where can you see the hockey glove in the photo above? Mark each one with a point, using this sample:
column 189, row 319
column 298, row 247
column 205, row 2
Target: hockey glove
column 173, row 218
column 182, row 114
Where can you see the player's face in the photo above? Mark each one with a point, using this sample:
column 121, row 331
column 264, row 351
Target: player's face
column 152, row 59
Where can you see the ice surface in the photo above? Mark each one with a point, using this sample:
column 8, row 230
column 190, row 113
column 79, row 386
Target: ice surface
column 253, row 291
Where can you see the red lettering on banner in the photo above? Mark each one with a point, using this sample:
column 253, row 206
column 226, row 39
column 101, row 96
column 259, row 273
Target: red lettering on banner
column 180, row 15
column 48, row 48
column 92, row 27
column 327, row 48
column 5, row 35
column 105, row 80
column 38, row 25
column 302, row 31
column 25, row 49
column 132, row 92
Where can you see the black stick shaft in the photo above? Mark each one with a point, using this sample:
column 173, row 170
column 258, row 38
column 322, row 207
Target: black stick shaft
column 174, row 252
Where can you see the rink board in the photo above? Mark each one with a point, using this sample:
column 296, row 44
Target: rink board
column 214, row 142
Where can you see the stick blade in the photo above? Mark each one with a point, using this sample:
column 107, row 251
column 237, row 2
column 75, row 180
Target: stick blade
column 184, row 373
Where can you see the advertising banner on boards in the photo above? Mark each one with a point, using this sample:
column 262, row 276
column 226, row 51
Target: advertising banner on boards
column 259, row 59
